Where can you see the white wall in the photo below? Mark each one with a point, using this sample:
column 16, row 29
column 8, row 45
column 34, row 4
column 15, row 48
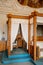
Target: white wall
column 3, row 26
column 3, row 29
column 39, row 19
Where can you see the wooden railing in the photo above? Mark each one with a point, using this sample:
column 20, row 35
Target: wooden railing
column 39, row 38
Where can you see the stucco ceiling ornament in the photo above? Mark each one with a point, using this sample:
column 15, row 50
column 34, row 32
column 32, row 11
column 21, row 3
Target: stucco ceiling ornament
column 32, row 3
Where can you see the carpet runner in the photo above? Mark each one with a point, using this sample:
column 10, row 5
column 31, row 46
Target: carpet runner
column 18, row 58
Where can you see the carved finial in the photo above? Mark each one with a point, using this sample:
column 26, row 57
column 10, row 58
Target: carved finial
column 34, row 13
column 9, row 15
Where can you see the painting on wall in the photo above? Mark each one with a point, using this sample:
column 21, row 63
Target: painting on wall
column 32, row 3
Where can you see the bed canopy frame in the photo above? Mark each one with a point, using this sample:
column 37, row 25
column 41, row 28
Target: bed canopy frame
column 34, row 16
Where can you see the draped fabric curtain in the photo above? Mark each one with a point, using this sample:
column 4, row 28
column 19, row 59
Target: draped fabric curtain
column 31, row 31
column 14, row 32
column 24, row 27
column 31, row 36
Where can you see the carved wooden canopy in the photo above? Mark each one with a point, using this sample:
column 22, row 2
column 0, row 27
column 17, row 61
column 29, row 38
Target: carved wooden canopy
column 32, row 3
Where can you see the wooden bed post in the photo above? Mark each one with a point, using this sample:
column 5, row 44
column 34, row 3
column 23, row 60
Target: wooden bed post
column 29, row 36
column 9, row 36
column 34, row 34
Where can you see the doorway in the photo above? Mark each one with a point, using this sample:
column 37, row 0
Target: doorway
column 19, row 43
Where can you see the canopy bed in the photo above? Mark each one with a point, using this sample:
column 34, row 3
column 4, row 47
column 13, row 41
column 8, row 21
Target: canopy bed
column 29, row 30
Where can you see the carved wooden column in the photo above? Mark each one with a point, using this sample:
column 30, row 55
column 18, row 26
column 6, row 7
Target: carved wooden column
column 34, row 35
column 29, row 36
column 9, row 36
